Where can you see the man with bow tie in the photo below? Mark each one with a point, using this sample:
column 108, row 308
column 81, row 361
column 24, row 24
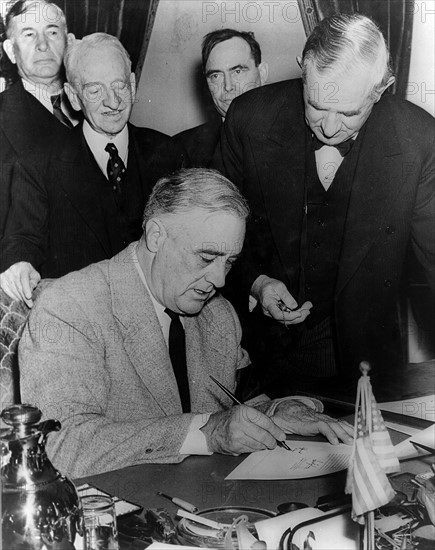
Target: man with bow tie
column 80, row 199
column 340, row 177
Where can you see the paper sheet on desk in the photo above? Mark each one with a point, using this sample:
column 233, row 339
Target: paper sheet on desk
column 338, row 533
column 406, row 449
column 417, row 407
column 306, row 459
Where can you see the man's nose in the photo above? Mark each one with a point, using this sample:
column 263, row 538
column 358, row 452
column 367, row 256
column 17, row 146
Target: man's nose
column 112, row 99
column 330, row 124
column 228, row 83
column 216, row 274
column 42, row 42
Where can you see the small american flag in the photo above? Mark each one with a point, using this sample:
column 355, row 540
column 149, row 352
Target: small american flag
column 372, row 457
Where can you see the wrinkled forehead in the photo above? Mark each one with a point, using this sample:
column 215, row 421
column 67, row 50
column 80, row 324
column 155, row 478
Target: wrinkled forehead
column 38, row 14
column 338, row 86
column 101, row 64
column 230, row 52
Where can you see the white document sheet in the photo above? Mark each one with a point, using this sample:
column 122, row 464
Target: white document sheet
column 418, row 407
column 306, row 459
column 406, row 449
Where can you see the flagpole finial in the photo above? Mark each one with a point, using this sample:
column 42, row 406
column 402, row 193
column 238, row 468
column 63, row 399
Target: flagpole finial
column 364, row 367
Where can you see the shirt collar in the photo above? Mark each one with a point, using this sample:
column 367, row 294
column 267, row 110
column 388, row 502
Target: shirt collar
column 97, row 143
column 41, row 92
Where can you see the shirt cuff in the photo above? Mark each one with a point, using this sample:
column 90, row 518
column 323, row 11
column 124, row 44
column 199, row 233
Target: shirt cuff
column 308, row 401
column 195, row 442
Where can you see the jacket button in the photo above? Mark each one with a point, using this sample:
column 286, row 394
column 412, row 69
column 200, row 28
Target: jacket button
column 387, row 283
column 316, row 244
column 390, row 229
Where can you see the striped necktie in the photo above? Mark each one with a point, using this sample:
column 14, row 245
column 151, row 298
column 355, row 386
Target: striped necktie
column 56, row 101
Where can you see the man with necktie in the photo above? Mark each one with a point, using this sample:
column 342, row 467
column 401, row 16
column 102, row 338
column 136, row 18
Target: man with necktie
column 133, row 341
column 232, row 65
column 340, row 177
column 33, row 108
column 80, row 199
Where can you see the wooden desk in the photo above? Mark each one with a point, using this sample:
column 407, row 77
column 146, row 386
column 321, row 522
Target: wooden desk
column 201, row 481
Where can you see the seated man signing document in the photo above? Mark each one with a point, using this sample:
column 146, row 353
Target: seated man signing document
column 96, row 352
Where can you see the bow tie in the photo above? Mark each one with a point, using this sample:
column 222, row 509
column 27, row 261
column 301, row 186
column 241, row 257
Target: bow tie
column 344, row 147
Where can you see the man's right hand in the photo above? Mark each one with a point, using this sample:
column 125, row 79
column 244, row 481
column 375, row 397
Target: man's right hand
column 19, row 281
column 241, row 429
column 277, row 302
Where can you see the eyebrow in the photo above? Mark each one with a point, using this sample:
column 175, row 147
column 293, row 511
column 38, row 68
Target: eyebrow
column 51, row 26
column 319, row 108
column 217, row 253
column 213, row 71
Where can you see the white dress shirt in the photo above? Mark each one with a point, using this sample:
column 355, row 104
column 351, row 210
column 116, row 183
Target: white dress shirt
column 97, row 143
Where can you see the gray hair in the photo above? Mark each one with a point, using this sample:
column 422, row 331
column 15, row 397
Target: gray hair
column 343, row 42
column 78, row 48
column 192, row 188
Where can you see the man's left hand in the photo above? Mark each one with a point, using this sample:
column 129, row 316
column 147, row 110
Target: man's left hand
column 297, row 418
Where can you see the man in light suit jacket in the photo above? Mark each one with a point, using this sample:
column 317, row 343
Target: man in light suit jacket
column 232, row 65
column 36, row 38
column 330, row 226
column 80, row 199
column 98, row 347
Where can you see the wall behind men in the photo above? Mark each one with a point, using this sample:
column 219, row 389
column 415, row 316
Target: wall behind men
column 172, row 94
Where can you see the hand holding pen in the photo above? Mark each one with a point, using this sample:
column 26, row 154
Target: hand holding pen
column 282, row 444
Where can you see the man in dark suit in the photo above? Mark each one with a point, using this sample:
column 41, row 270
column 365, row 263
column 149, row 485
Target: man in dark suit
column 231, row 61
column 36, row 39
column 80, row 199
column 340, row 177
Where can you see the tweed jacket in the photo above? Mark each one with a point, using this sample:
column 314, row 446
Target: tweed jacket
column 392, row 203
column 93, row 355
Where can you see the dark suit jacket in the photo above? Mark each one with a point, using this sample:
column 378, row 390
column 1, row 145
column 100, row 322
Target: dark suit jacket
column 25, row 122
column 63, row 214
column 392, row 201
column 201, row 142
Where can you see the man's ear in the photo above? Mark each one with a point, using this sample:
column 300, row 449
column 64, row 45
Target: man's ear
column 155, row 234
column 72, row 96
column 379, row 93
column 9, row 49
column 133, row 86
column 70, row 37
column 263, row 69
column 299, row 60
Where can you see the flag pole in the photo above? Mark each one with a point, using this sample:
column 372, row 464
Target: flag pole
column 363, row 390
column 372, row 457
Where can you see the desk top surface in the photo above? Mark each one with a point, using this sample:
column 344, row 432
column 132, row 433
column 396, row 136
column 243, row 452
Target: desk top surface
column 200, row 480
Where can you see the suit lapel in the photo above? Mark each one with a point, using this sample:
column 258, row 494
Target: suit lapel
column 82, row 180
column 377, row 182
column 26, row 120
column 279, row 157
column 139, row 159
column 140, row 329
